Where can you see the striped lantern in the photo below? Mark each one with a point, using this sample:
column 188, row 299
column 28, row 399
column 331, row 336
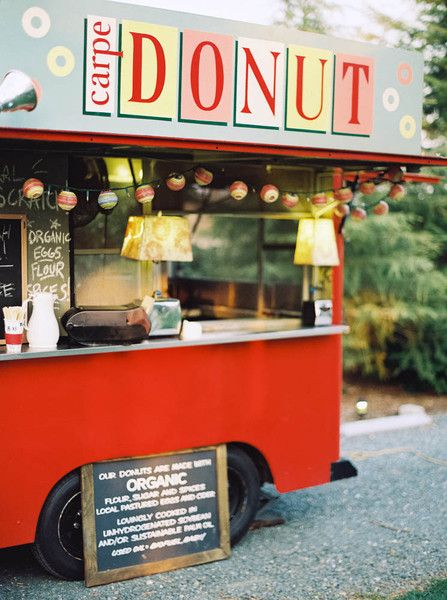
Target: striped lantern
column 202, row 176
column 144, row 193
column 238, row 190
column 32, row 189
column 175, row 181
column 269, row 193
column 66, row 200
column 319, row 199
column 107, row 200
column 289, row 199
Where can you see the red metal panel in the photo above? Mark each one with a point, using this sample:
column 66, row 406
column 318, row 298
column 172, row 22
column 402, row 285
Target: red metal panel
column 281, row 397
column 294, row 151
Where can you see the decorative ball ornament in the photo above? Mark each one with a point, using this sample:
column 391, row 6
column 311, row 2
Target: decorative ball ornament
column 107, row 200
column 342, row 210
column 238, row 190
column 367, row 188
column 394, row 174
column 269, row 193
column 202, row 176
column 144, row 193
column 289, row 199
column 343, row 195
column 381, row 208
column 66, row 200
column 319, row 199
column 358, row 213
column 397, row 192
column 32, row 189
column 176, row 181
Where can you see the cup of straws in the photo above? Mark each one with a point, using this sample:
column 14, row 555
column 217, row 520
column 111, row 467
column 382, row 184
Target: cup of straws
column 14, row 320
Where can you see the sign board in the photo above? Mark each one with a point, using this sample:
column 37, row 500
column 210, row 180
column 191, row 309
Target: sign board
column 12, row 264
column 114, row 68
column 156, row 513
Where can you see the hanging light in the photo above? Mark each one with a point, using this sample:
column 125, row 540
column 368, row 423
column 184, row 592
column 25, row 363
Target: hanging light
column 316, row 244
column 18, row 92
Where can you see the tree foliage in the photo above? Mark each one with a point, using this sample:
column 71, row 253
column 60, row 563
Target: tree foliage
column 306, row 15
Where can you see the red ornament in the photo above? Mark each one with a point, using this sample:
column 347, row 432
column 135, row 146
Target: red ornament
column 343, row 195
column 342, row 210
column 66, row 200
column 176, row 181
column 32, row 189
column 269, row 193
column 202, row 176
column 359, row 214
column 367, row 188
column 394, row 174
column 238, row 190
column 289, row 199
column 319, row 199
column 397, row 192
column 144, row 193
column 382, row 208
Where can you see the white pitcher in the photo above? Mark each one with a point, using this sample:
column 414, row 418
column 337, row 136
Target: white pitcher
column 42, row 328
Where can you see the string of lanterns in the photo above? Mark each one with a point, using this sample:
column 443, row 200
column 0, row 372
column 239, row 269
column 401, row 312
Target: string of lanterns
column 343, row 199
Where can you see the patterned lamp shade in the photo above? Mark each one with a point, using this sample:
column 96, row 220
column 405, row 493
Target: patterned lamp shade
column 316, row 244
column 157, row 238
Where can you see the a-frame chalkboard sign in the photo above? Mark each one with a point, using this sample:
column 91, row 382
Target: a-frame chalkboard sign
column 12, row 264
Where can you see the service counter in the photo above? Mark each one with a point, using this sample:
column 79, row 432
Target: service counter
column 225, row 331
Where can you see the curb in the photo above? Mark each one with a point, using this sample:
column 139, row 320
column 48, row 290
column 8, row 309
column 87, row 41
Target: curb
column 370, row 426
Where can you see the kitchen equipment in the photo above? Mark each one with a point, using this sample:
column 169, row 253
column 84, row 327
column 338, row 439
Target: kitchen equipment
column 165, row 315
column 93, row 326
column 317, row 313
column 42, row 328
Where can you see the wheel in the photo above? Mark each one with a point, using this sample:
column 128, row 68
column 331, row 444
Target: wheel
column 243, row 492
column 58, row 544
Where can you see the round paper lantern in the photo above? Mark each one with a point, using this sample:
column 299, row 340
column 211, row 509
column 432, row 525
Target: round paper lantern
column 176, row 181
column 202, row 176
column 144, row 193
column 342, row 210
column 397, row 192
column 32, row 189
column 359, row 214
column 289, row 199
column 269, row 193
column 343, row 195
column 319, row 199
column 66, row 200
column 238, row 190
column 381, row 208
column 367, row 188
column 394, row 174
column 107, row 200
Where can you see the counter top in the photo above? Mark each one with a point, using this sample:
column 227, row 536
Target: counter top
column 225, row 331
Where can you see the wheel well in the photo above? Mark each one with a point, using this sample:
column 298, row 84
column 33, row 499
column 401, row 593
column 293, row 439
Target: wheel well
column 265, row 474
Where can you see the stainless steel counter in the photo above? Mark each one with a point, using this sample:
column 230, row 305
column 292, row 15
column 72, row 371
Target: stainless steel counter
column 226, row 331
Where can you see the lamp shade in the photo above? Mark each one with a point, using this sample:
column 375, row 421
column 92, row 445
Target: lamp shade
column 316, row 244
column 157, row 238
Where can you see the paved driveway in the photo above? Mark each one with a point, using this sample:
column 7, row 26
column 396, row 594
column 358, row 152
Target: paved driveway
column 382, row 532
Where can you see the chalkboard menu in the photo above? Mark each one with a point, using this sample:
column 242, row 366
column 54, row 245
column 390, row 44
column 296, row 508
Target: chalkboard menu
column 12, row 263
column 152, row 514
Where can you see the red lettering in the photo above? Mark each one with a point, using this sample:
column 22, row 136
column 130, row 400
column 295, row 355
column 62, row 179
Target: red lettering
column 195, row 75
column 138, row 39
column 97, row 29
column 356, row 68
column 300, row 87
column 105, row 50
column 99, row 102
column 102, row 78
column 251, row 63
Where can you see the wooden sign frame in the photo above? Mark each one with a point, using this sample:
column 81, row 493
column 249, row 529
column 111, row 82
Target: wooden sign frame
column 95, row 577
column 23, row 249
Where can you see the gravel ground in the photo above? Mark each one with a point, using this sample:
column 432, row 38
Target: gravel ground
column 383, row 532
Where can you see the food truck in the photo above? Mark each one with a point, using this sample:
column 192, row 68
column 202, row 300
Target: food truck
column 173, row 190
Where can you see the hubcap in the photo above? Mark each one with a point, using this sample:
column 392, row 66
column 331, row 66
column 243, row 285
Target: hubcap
column 70, row 527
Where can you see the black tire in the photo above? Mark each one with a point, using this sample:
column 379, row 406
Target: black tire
column 243, row 492
column 58, row 544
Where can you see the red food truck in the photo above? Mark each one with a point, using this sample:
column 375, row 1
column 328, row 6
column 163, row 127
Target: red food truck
column 125, row 135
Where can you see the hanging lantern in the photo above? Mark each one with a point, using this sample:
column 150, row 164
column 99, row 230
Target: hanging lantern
column 289, row 199
column 319, row 199
column 394, row 174
column 397, row 192
column 176, row 181
column 144, row 193
column 238, row 190
column 107, row 200
column 381, row 208
column 202, row 176
column 343, row 195
column 358, row 213
column 367, row 188
column 342, row 210
column 269, row 193
column 66, row 200
column 32, row 189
